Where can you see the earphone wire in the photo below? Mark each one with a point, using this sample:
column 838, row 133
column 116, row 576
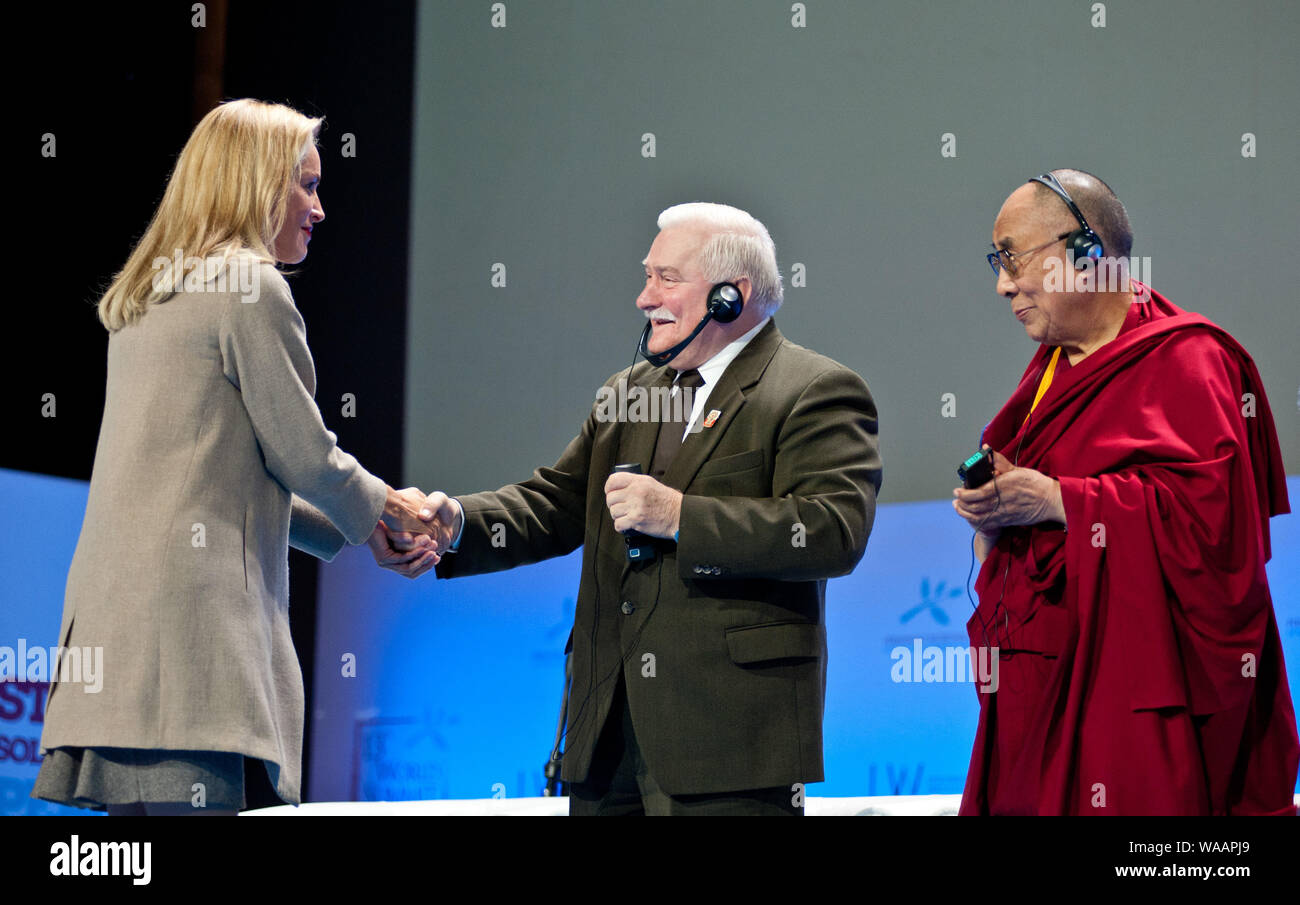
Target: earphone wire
column 574, row 722
column 1024, row 432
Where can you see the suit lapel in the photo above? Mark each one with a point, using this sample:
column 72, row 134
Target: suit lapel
column 637, row 442
column 727, row 398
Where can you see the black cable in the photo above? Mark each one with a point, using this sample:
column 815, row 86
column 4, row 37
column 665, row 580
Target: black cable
column 971, row 571
column 1024, row 431
column 574, row 723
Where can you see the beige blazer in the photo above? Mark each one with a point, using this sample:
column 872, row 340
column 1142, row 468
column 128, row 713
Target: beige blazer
column 212, row 460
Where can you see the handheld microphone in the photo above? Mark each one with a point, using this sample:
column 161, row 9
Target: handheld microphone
column 639, row 546
column 725, row 305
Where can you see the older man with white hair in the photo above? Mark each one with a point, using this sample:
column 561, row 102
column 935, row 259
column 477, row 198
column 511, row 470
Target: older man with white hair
column 699, row 640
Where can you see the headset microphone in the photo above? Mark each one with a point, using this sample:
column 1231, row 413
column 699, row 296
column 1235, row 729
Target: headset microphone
column 725, row 305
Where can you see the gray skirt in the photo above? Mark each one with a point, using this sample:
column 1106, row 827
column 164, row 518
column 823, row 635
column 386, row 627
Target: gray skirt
column 97, row 777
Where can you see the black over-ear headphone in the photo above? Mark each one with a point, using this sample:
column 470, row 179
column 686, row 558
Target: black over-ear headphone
column 724, row 305
column 725, row 302
column 1083, row 244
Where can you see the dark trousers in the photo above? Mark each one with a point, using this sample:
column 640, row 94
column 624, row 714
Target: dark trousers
column 619, row 785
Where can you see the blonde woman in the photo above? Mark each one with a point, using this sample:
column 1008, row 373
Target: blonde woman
column 212, row 460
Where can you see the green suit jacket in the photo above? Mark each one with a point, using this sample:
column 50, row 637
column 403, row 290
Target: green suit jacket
column 722, row 638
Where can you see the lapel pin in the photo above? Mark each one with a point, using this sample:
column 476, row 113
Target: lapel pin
column 713, row 417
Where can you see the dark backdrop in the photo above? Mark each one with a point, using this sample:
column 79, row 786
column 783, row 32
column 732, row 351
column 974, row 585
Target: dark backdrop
column 116, row 87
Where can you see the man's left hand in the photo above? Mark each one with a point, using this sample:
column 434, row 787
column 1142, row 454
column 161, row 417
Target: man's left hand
column 1015, row 496
column 640, row 503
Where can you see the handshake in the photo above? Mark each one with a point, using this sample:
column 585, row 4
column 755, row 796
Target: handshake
column 414, row 531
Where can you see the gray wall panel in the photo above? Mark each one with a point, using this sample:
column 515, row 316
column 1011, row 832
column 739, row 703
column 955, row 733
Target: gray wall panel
column 528, row 153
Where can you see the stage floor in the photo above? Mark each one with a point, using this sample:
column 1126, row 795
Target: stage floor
column 879, row 806
column 873, row 806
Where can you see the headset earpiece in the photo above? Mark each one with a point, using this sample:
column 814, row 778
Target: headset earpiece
column 725, row 302
column 724, row 305
column 1082, row 245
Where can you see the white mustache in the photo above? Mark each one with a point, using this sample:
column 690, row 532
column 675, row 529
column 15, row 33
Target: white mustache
column 660, row 314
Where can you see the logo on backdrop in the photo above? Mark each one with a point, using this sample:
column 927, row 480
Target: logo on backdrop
column 930, row 600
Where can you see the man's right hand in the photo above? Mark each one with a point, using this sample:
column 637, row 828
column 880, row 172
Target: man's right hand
column 443, row 519
column 402, row 512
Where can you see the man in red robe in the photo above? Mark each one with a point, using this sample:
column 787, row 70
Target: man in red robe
column 1123, row 542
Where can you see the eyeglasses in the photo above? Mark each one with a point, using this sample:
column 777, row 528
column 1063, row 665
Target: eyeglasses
column 1000, row 257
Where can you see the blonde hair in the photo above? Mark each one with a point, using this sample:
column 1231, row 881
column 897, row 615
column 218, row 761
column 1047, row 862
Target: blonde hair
column 226, row 196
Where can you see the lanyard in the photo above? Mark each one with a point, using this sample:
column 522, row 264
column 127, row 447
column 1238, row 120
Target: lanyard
column 1044, row 383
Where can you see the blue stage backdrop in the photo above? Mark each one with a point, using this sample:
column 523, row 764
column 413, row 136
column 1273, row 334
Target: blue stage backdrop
column 429, row 689
column 451, row 689
column 37, row 538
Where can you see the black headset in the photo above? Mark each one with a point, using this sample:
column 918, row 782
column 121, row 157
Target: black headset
column 724, row 305
column 1083, row 245
column 725, row 302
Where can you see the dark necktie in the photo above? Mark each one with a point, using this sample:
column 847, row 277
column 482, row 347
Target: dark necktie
column 672, row 427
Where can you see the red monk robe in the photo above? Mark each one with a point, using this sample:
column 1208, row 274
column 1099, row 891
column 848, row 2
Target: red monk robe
column 1140, row 669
